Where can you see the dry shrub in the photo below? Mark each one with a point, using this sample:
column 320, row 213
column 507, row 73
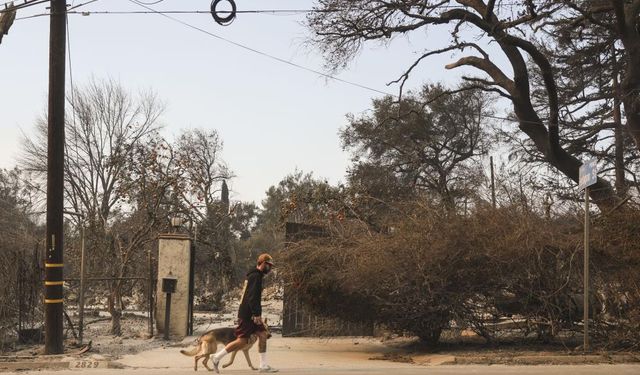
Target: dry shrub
column 615, row 264
column 433, row 269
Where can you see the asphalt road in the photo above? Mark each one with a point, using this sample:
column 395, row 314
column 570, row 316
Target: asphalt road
column 315, row 356
column 432, row 370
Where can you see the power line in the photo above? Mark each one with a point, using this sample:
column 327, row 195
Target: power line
column 258, row 11
column 260, row 52
column 207, row 12
column 152, row 2
column 315, row 10
column 26, row 4
column 10, row 5
column 29, row 3
column 248, row 11
column 68, row 12
column 80, row 5
column 73, row 103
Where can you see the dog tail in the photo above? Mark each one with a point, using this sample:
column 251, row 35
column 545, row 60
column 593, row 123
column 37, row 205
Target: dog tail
column 190, row 353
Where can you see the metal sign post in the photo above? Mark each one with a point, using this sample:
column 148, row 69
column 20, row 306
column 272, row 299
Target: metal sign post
column 82, row 289
column 586, row 270
column 588, row 177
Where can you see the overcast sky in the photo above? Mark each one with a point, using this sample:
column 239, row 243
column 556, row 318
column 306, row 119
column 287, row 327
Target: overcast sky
column 273, row 118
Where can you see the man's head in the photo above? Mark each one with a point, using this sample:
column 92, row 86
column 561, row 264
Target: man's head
column 265, row 263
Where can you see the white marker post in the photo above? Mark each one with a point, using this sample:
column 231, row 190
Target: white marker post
column 588, row 177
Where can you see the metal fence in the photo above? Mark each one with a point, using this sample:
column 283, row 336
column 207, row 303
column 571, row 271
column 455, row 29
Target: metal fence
column 29, row 276
column 297, row 319
column 84, row 299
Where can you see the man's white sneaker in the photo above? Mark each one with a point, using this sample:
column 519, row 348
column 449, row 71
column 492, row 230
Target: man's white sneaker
column 216, row 362
column 268, row 369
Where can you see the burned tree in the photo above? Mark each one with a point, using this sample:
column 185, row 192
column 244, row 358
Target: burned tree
column 106, row 125
column 341, row 28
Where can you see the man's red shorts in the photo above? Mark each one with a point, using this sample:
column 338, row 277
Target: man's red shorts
column 247, row 327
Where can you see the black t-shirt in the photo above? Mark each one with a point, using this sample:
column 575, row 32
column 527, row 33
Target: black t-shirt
column 250, row 304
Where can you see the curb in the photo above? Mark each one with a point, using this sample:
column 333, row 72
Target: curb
column 22, row 366
column 548, row 359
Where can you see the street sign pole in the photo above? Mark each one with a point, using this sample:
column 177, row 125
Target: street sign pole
column 586, row 270
column 588, row 176
column 82, row 285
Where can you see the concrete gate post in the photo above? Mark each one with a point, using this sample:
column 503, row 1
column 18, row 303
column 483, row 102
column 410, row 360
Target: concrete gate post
column 174, row 259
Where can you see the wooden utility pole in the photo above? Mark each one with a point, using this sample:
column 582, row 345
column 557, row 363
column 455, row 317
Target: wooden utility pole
column 53, row 298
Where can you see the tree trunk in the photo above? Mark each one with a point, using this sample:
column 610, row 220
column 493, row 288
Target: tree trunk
column 115, row 310
column 431, row 336
column 626, row 17
column 621, row 184
column 532, row 125
column 601, row 193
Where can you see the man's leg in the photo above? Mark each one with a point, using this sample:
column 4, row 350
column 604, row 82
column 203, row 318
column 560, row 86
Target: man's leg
column 262, row 349
column 231, row 347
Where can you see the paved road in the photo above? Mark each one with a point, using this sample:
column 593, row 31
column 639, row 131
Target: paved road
column 340, row 356
column 432, row 370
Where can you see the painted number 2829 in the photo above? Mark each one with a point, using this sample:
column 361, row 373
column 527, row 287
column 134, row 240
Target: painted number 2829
column 85, row 364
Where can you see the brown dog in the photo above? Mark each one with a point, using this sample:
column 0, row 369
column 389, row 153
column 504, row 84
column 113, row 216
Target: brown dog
column 207, row 345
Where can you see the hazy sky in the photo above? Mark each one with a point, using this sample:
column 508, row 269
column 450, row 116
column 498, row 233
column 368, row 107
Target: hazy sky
column 272, row 117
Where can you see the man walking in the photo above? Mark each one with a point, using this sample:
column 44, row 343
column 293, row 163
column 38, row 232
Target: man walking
column 250, row 316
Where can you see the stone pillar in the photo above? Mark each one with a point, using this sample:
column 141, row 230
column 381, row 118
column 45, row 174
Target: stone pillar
column 174, row 259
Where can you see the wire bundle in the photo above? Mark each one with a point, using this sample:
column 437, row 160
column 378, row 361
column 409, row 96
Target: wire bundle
column 223, row 20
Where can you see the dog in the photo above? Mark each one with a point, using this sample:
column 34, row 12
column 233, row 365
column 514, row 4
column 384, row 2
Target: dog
column 207, row 345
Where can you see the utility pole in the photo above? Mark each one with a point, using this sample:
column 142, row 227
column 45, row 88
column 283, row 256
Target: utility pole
column 53, row 298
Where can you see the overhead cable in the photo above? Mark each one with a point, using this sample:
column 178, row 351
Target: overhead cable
column 279, row 59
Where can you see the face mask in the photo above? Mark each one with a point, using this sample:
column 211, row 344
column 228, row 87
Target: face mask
column 266, row 269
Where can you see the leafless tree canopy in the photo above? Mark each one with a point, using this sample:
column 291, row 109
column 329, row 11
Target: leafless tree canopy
column 104, row 125
column 123, row 182
column 199, row 154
